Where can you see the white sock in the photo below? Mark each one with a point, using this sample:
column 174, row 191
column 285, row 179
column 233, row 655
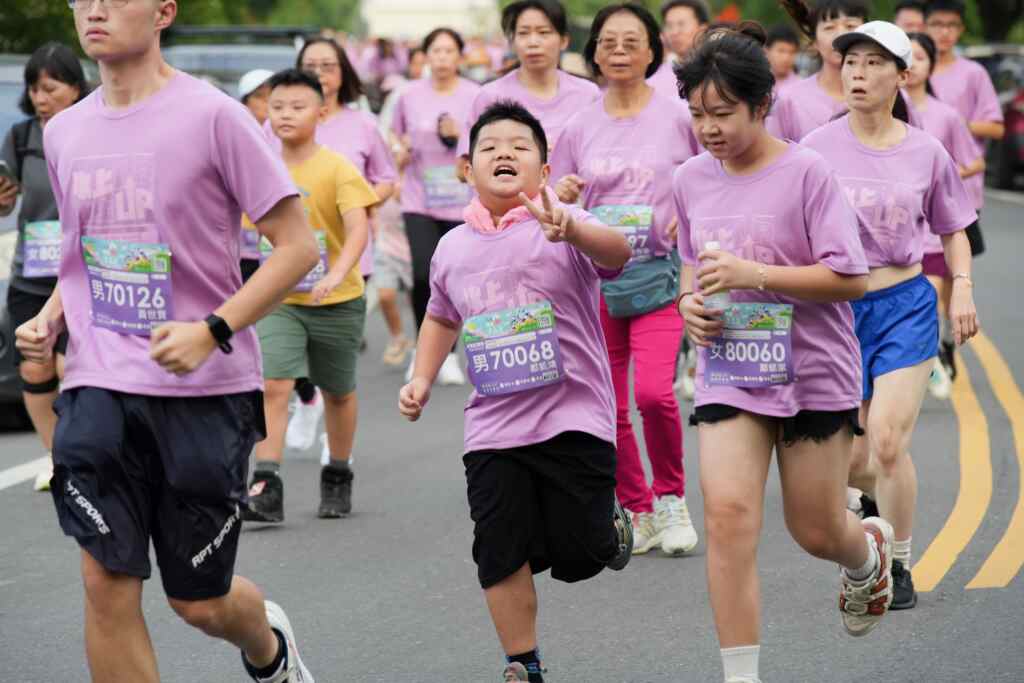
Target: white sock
column 865, row 571
column 901, row 552
column 741, row 662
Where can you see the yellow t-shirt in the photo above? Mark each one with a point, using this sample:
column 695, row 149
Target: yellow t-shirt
column 330, row 186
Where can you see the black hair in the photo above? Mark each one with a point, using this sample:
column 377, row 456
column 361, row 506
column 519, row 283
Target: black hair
column 645, row 17
column 60, row 63
column 899, row 105
column 734, row 61
column 552, row 9
column 509, row 110
column 913, row 5
column 928, row 45
column 444, row 30
column 807, row 18
column 296, row 77
column 699, row 7
column 955, row 6
column 385, row 48
column 351, row 85
column 782, row 33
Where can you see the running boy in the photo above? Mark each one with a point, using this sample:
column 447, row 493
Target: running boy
column 155, row 423
column 519, row 282
column 317, row 331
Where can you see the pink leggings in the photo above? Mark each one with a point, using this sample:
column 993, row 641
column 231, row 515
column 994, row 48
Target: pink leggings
column 652, row 340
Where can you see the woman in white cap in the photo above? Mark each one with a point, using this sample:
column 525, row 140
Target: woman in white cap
column 903, row 184
column 254, row 91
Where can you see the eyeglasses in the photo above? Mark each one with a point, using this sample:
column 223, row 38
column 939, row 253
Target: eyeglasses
column 945, row 25
column 82, row 5
column 630, row 45
column 320, row 67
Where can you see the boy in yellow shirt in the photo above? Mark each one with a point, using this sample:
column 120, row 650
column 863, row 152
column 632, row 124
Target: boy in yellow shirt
column 316, row 332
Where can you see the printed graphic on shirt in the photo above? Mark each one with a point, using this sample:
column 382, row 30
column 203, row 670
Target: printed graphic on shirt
column 748, row 237
column 883, row 207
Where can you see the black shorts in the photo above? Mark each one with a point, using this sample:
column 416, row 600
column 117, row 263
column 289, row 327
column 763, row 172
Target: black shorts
column 975, row 238
column 129, row 469
column 549, row 504
column 812, row 425
column 248, row 266
column 22, row 307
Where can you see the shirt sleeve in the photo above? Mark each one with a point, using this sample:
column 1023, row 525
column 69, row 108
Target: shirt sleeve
column 353, row 191
column 398, row 125
column 985, row 103
column 380, row 166
column 948, row 208
column 683, row 240
column 563, row 161
column 50, row 152
column 961, row 142
column 831, row 223
column 477, row 108
column 440, row 305
column 252, row 173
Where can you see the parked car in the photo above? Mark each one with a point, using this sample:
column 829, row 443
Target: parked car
column 1005, row 65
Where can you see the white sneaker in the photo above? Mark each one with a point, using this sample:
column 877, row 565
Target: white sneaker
column 672, row 521
column 451, row 372
column 864, row 603
column 325, row 452
column 296, row 671
column 42, row 482
column 412, row 366
column 686, row 385
column 853, row 503
column 645, row 537
column 301, row 432
column 939, row 383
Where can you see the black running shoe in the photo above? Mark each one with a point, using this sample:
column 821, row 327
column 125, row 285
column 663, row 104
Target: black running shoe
column 335, row 492
column 624, row 536
column 946, row 357
column 266, row 499
column 868, row 507
column 903, row 594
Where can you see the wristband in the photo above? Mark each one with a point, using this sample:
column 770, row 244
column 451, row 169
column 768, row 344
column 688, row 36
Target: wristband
column 679, row 300
column 762, row 271
column 964, row 276
column 221, row 332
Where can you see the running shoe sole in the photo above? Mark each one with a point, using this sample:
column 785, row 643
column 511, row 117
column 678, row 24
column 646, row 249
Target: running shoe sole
column 624, row 531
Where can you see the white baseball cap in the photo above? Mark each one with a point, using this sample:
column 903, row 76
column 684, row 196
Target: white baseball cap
column 252, row 81
column 889, row 37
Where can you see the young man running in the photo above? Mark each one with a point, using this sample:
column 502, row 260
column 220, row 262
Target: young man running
column 162, row 402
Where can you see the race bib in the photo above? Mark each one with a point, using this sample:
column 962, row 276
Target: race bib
column 443, row 188
column 634, row 221
column 130, row 284
column 513, row 350
column 755, row 349
column 312, row 277
column 42, row 249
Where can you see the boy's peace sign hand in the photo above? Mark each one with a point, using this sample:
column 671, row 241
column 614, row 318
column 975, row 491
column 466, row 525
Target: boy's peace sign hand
column 555, row 220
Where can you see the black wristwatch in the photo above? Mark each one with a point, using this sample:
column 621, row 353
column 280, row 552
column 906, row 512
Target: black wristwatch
column 221, row 332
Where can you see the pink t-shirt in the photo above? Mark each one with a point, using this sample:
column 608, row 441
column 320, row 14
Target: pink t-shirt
column 627, row 164
column 783, row 84
column 966, row 87
column 430, row 186
column 664, row 80
column 942, row 121
column 899, row 193
column 125, row 175
column 791, row 213
column 804, row 106
column 473, row 274
column 573, row 94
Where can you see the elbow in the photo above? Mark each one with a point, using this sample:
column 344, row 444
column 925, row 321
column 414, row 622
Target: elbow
column 855, row 287
column 310, row 253
column 622, row 254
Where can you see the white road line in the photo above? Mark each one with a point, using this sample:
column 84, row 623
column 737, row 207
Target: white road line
column 1006, row 196
column 16, row 475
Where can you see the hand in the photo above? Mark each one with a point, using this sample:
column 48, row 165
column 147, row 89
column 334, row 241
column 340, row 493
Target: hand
column 413, row 398
column 569, row 188
column 325, row 286
column 556, row 221
column 448, row 127
column 702, row 324
column 672, row 231
column 721, row 270
column 8, row 193
column 35, row 338
column 962, row 314
column 180, row 348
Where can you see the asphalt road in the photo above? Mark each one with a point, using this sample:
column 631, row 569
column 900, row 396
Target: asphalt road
column 390, row 594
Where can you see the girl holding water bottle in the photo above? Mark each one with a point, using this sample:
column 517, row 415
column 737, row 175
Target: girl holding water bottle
column 779, row 368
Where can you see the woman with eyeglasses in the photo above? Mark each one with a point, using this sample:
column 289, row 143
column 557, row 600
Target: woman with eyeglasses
column 54, row 81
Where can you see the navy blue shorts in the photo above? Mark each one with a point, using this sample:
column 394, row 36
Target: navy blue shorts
column 897, row 327
column 130, row 470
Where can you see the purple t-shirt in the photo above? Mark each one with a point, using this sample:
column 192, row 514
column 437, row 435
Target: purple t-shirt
column 573, row 94
column 966, row 87
column 123, row 177
column 430, row 186
column 942, row 121
column 791, row 213
column 784, row 84
column 664, row 80
column 804, row 106
column 899, row 193
column 473, row 274
column 627, row 164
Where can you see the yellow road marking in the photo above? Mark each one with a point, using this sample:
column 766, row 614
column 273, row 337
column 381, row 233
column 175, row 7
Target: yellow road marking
column 975, row 488
column 1008, row 556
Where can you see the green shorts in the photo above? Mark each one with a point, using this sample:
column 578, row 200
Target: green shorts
column 319, row 342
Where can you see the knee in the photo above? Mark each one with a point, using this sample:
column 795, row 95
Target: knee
column 655, row 397
column 887, row 444
column 335, row 401
column 109, row 594
column 387, row 296
column 731, row 521
column 205, row 615
column 278, row 389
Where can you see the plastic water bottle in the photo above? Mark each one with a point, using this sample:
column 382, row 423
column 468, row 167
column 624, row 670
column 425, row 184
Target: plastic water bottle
column 718, row 300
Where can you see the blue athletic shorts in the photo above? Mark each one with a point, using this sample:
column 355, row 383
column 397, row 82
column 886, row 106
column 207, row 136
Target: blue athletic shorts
column 897, row 327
